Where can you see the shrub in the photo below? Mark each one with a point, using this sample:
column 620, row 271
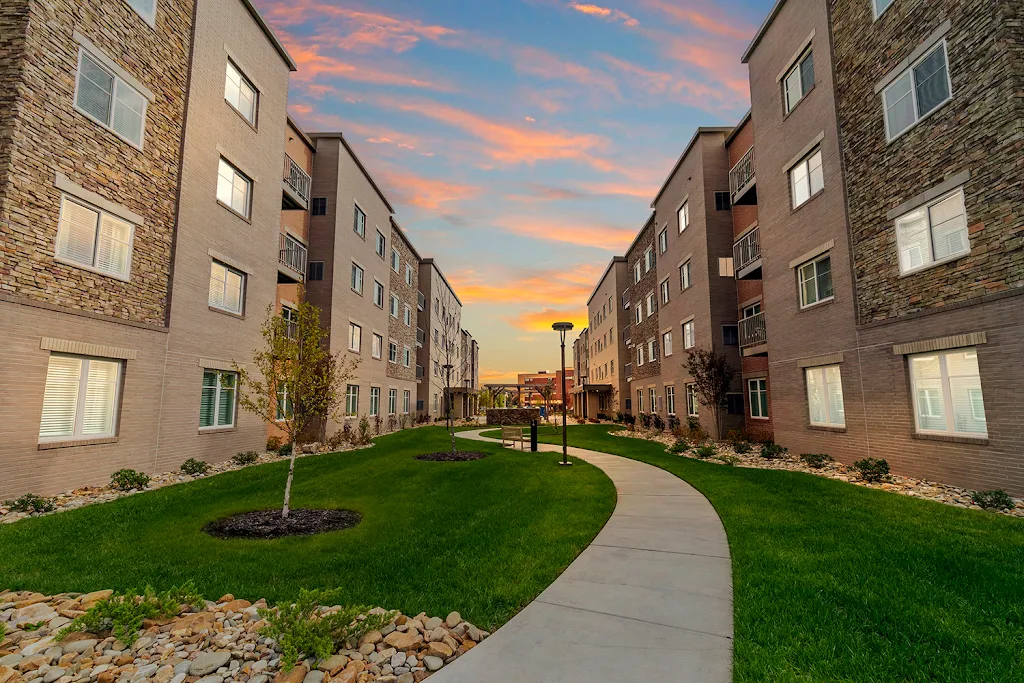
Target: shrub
column 629, row 419
column 30, row 502
column 871, row 469
column 195, row 467
column 771, row 450
column 273, row 444
column 693, row 423
column 126, row 480
column 706, row 451
column 993, row 500
column 619, row 417
column 729, row 460
column 658, row 423
column 679, row 447
column 815, row 460
column 246, row 458
column 593, row 420
column 364, row 431
column 285, row 451
column 741, row 447
column 645, row 420
column 306, row 628
column 124, row 613
column 378, row 422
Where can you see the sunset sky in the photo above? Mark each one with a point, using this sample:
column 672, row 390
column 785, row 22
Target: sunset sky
column 520, row 141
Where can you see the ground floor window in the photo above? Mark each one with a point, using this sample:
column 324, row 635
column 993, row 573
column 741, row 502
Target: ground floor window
column 670, row 399
column 654, row 400
column 825, row 396
column 392, row 401
column 947, row 393
column 374, row 400
column 80, row 398
column 640, row 400
column 757, row 389
column 217, row 405
column 352, row 399
column 406, row 399
column 691, row 400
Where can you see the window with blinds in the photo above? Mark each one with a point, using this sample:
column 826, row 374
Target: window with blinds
column 217, row 404
column 227, row 287
column 80, row 398
column 108, row 100
column 94, row 239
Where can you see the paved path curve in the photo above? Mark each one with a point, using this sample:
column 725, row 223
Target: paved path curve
column 650, row 599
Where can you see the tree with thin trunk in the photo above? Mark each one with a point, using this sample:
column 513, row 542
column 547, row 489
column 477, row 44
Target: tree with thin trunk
column 547, row 392
column 712, row 378
column 296, row 380
column 453, row 364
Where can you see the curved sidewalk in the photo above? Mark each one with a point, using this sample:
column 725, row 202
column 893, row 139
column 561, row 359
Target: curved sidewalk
column 649, row 599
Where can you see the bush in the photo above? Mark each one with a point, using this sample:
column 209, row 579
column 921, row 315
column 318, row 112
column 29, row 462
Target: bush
column 706, row 451
column 871, row 469
column 993, row 500
column 679, row 447
column 195, row 467
column 619, row 417
column 729, row 460
column 285, row 451
column 126, row 480
column 815, row 460
column 645, row 420
column 306, row 628
column 30, row 502
column 629, row 419
column 658, row 423
column 364, row 431
column 124, row 613
column 771, row 450
column 274, row 444
column 246, row 458
column 741, row 447
column 693, row 423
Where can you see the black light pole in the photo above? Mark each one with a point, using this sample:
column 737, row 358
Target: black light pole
column 562, row 328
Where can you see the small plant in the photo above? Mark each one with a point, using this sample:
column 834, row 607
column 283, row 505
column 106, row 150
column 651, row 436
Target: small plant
column 673, row 424
column 364, row 431
column 693, row 423
column 872, row 469
column 679, row 447
column 706, row 451
column 630, row 420
column 33, row 627
column 772, row 451
column 729, row 460
column 305, row 627
column 815, row 460
column 246, row 458
column 127, row 479
column 741, row 447
column 273, row 444
column 285, row 451
column 194, row 467
column 993, row 500
column 377, row 424
column 123, row 614
column 30, row 502
column 659, row 424
column 645, row 420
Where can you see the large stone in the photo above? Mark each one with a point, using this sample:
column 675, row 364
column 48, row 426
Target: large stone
column 208, row 662
column 439, row 650
column 214, row 678
column 235, row 605
column 403, row 641
column 406, row 678
column 31, row 599
column 11, row 659
column 372, row 637
column 296, row 675
column 433, row 663
column 41, row 645
column 53, row 674
column 432, row 623
column 453, row 620
column 33, row 614
column 350, row 674
column 9, row 675
column 314, row 677
column 333, row 664
column 90, row 599
column 32, row 663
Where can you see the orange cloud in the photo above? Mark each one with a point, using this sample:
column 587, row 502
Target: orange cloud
column 538, row 321
column 727, row 28
column 427, row 193
column 567, row 286
column 604, row 13
column 312, row 64
column 583, row 233
column 535, row 61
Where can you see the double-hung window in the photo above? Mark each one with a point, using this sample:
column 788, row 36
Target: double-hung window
column 653, row 394
column 394, row 307
column 670, row 399
column 663, row 241
column 689, row 335
column 684, row 276
column 815, row 281
column 234, row 189
column 108, row 100
column 377, row 347
column 284, row 403
column 396, row 260
column 640, row 354
column 378, row 294
column 392, row 352
column 825, row 396
column 408, row 274
column 359, row 222
column 80, row 400
column 374, row 401
column 799, row 80
column 352, row 400
column 240, row 93
column 217, row 403
column 636, row 272
column 652, row 304
column 407, row 316
column 684, row 216
column 227, row 288
column 392, row 401
column 94, row 239
column 406, row 356
column 666, row 342
column 932, row 234
column 145, row 9
column 640, row 400
column 357, row 278
column 652, row 350
column 648, row 259
column 406, row 401
column 917, row 92
column 757, row 391
column 806, row 178
column 355, row 337
column 691, row 400
column 639, row 308
column 947, row 393
column 665, row 292
column 380, row 245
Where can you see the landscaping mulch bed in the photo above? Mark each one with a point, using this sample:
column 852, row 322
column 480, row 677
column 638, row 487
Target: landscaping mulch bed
column 448, row 456
column 270, row 524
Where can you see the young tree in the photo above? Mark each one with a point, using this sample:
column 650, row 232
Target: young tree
column 447, row 322
column 712, row 378
column 297, row 380
column 547, row 391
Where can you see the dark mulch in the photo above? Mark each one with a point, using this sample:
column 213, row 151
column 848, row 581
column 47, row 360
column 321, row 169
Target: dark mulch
column 448, row 456
column 270, row 524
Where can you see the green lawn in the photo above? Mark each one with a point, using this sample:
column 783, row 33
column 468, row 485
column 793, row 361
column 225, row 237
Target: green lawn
column 836, row 582
column 481, row 537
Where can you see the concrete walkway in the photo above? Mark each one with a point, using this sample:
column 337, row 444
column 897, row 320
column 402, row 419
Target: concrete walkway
column 649, row 600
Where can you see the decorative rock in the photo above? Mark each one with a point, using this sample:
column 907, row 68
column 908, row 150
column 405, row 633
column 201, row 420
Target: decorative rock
column 9, row 675
column 53, row 674
column 32, row 663
column 296, row 675
column 208, row 662
column 453, row 620
column 406, row 678
column 260, row 678
column 11, row 659
column 439, row 650
column 331, row 665
column 398, row 659
column 366, row 649
column 403, row 641
column 433, row 663
column 211, row 679
column 314, row 677
column 80, row 645
column 432, row 623
column 371, row 637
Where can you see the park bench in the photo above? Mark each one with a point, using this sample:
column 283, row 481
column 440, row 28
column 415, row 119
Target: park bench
column 513, row 434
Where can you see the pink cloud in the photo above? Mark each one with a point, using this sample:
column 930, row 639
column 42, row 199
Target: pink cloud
column 604, row 13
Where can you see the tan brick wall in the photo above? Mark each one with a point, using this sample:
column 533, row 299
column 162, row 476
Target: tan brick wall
column 607, row 297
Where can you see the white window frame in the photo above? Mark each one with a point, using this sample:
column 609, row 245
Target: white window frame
column 408, row 274
column 685, row 277
column 683, row 216
column 801, row 280
column 926, row 209
column 639, row 308
column 666, row 291
column 381, row 245
column 396, row 260
column 636, row 272
column 663, row 241
column 358, row 278
column 359, row 221
column 117, row 83
column 822, row 370
column 796, row 71
column 874, row 7
column 918, row 117
column 639, row 400
column 639, row 355
column 805, row 164
column 666, row 342
column 374, row 401
column 652, row 351
column 689, row 335
column 692, row 404
column 407, row 316
column 77, row 432
column 378, row 294
column 947, row 395
column 392, row 401
column 150, row 18
column 236, row 174
column 406, row 401
column 652, row 395
column 652, row 303
column 284, row 404
column 394, row 306
column 392, row 351
column 100, row 216
column 649, row 259
column 670, row 399
column 355, row 337
column 377, row 346
column 251, row 117
column 754, row 392
column 241, row 290
column 406, row 356
column 351, row 400
column 219, row 388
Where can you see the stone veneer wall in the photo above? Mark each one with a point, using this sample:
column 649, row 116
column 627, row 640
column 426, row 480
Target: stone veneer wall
column 647, row 329
column 398, row 331
column 512, row 416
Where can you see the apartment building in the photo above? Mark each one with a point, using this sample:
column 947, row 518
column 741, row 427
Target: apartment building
column 581, row 370
column 695, row 291
column 643, row 346
column 603, row 386
column 403, row 314
column 440, row 358
column 468, row 403
column 531, row 385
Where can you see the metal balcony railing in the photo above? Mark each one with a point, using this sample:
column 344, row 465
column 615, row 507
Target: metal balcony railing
column 293, row 255
column 747, row 250
column 296, row 178
column 742, row 173
column 753, row 331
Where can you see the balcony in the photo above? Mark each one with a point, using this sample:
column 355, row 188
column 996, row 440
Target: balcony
column 296, row 186
column 753, row 333
column 746, row 256
column 742, row 183
column 293, row 256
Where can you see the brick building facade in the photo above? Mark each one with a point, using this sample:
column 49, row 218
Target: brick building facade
column 643, row 348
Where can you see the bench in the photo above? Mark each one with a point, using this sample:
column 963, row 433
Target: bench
column 513, row 434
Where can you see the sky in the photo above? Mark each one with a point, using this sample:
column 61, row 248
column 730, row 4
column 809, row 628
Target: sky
column 521, row 142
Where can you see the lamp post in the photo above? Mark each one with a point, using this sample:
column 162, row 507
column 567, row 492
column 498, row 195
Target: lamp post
column 562, row 328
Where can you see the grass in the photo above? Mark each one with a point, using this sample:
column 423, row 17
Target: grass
column 836, row 582
column 481, row 537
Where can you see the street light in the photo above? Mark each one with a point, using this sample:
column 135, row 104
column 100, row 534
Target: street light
column 562, row 328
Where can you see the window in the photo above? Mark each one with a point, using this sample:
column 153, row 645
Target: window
column 751, row 311
column 392, row 352
column 689, row 335
column 227, row 288
column 407, row 316
column 108, row 100
column 319, row 206
column 377, row 346
column 639, row 313
column 684, row 216
column 217, row 402
column 394, row 307
column 357, row 279
column 730, row 335
column 652, row 351
column 815, row 281
column 653, row 394
column 725, row 267
column 145, row 8
column 722, row 201
column 359, row 222
column 799, row 80
column 80, row 399
column 352, row 399
column 666, row 342
column 640, row 400
column 290, row 318
column 919, row 91
column 234, row 189
column 881, row 6
column 665, row 292
column 757, row 389
column 825, row 396
column 636, row 272
column 378, row 294
column 437, row 336
column 396, row 260
column 406, row 356
column 355, row 337
column 94, row 239
column 933, row 233
column 648, row 259
column 406, row 400
column 392, row 401
column 947, row 393
column 315, row 270
column 652, row 304
column 663, row 241
column 734, row 404
column 435, row 403
column 284, row 404
column 684, row 276
column 691, row 400
column 806, row 179
column 374, row 401
column 640, row 354
column 380, row 246
column 670, row 399
column 240, row 93
column 408, row 274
